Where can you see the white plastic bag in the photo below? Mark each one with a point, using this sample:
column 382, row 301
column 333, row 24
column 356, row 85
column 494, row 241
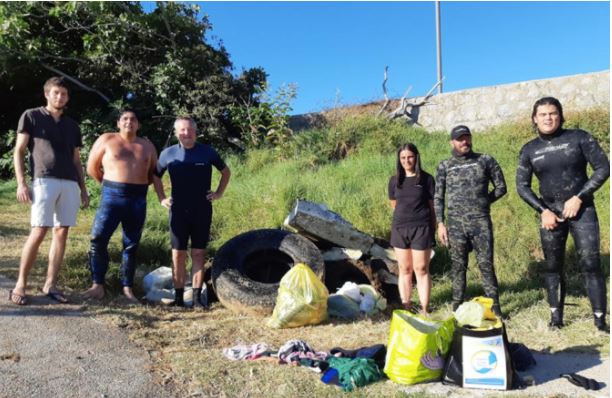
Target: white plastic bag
column 470, row 313
column 350, row 290
column 158, row 279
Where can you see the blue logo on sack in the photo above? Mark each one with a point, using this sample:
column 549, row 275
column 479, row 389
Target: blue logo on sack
column 484, row 361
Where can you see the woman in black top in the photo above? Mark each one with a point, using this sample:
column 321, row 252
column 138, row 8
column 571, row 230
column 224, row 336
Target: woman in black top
column 411, row 192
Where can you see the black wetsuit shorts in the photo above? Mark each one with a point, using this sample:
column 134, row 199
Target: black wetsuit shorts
column 194, row 223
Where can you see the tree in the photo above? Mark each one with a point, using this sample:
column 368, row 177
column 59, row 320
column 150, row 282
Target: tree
column 262, row 119
column 116, row 54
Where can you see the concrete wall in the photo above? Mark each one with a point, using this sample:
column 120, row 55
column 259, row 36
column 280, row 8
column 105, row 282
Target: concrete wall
column 483, row 107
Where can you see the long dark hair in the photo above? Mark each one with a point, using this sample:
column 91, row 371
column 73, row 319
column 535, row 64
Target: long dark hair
column 400, row 172
column 547, row 101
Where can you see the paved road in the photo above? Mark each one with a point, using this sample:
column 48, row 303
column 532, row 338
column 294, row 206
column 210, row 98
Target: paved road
column 53, row 350
column 546, row 376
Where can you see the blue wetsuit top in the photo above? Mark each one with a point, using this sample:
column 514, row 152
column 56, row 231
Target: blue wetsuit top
column 190, row 172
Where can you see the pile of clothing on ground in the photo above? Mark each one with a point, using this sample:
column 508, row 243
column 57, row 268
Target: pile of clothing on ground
column 347, row 369
column 469, row 349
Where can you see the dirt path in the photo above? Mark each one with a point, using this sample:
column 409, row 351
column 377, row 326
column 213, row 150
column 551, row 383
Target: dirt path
column 52, row 350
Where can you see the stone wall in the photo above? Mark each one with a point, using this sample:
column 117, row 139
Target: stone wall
column 483, row 107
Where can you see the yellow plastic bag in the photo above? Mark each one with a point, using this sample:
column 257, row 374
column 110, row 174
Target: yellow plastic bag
column 417, row 348
column 487, row 303
column 301, row 300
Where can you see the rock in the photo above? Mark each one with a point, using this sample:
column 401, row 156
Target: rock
column 383, row 253
column 313, row 219
column 339, row 254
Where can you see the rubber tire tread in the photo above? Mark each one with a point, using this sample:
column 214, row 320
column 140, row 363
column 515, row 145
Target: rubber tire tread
column 243, row 295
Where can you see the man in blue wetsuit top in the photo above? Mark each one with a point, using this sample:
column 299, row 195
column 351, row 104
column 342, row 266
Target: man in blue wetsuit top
column 189, row 165
column 559, row 157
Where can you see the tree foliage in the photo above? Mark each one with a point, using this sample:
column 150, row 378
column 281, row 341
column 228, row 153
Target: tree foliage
column 116, row 54
column 263, row 121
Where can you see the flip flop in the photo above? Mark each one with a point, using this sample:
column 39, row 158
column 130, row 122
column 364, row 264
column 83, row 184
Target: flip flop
column 18, row 299
column 57, row 296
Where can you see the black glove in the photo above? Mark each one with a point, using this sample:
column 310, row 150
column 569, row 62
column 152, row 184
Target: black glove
column 581, row 381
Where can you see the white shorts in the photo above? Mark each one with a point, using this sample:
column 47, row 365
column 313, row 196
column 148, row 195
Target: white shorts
column 55, row 202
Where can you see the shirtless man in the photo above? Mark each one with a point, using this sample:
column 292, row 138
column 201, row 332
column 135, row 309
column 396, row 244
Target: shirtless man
column 124, row 164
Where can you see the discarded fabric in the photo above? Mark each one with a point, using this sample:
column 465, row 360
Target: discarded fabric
column 349, row 373
column 294, row 350
column 245, row 351
column 377, row 352
column 581, row 381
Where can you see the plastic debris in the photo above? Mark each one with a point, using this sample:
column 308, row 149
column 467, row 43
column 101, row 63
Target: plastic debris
column 470, row 313
column 160, row 278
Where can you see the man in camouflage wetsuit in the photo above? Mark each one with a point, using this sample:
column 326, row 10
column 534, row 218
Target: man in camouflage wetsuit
column 464, row 180
column 559, row 157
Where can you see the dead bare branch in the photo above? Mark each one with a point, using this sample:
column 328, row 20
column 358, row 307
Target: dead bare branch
column 429, row 94
column 401, row 108
column 77, row 82
column 405, row 108
column 384, row 86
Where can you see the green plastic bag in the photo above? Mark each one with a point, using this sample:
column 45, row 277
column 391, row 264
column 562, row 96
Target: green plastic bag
column 301, row 300
column 417, row 348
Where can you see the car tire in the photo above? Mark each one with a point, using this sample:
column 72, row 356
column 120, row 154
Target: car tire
column 247, row 269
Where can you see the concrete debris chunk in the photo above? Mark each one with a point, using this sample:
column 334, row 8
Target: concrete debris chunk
column 339, row 254
column 387, row 277
column 316, row 220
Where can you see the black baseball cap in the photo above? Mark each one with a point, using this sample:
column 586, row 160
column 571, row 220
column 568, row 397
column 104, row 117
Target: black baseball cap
column 458, row 131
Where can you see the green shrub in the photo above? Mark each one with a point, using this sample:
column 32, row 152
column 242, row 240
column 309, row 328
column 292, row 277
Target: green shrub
column 595, row 121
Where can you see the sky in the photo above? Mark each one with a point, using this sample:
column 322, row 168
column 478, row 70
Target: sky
column 336, row 52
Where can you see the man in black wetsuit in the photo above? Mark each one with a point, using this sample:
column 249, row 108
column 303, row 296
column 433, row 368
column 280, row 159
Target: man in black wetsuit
column 559, row 158
column 189, row 164
column 464, row 179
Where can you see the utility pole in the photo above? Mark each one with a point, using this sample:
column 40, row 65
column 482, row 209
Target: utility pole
column 439, row 46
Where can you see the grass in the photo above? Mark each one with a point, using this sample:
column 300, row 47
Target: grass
column 346, row 166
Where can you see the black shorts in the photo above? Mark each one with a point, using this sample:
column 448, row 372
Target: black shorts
column 417, row 237
column 190, row 223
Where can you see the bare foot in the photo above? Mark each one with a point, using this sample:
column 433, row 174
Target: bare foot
column 95, row 291
column 129, row 294
column 48, row 287
column 19, row 290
